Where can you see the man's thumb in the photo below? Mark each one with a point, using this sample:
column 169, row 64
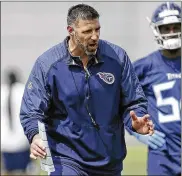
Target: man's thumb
column 133, row 115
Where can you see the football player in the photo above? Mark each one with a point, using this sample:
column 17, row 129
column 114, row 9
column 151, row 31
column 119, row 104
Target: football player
column 160, row 76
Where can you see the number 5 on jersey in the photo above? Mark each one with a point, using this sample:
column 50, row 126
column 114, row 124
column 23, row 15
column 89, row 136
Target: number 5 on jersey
column 173, row 102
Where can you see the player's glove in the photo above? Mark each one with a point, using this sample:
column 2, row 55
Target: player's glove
column 155, row 141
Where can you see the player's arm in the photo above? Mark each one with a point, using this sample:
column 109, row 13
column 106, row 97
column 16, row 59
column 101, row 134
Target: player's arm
column 34, row 107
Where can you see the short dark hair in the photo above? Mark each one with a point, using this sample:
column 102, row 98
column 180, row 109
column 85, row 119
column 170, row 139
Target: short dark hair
column 81, row 11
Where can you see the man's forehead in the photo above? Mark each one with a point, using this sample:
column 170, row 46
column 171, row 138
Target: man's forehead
column 84, row 23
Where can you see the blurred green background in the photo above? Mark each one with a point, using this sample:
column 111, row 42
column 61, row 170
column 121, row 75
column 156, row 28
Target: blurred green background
column 135, row 161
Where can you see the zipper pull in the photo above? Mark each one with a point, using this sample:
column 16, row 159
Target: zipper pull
column 87, row 74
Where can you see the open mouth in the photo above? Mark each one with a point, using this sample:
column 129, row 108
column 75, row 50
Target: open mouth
column 93, row 45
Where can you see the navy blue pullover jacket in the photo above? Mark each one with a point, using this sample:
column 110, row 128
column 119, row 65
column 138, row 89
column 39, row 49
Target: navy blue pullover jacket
column 69, row 100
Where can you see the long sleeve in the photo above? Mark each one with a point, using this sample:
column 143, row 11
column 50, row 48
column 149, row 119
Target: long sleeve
column 132, row 97
column 35, row 101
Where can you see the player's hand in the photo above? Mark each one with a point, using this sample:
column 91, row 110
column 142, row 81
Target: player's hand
column 142, row 125
column 36, row 148
column 154, row 141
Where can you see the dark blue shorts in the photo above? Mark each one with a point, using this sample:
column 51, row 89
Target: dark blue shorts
column 69, row 167
column 159, row 164
column 16, row 160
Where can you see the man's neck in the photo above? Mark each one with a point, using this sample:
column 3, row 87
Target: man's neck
column 77, row 52
column 171, row 53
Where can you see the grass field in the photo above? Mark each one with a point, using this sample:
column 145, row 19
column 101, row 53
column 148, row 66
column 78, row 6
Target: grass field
column 135, row 161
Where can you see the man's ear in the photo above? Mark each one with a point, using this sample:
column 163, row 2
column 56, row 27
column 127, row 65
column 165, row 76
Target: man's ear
column 70, row 30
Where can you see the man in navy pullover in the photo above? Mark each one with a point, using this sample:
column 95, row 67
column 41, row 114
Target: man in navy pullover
column 84, row 90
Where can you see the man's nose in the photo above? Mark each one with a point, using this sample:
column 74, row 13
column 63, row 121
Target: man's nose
column 95, row 36
column 171, row 30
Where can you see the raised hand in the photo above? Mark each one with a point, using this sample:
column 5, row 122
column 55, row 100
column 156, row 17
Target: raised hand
column 142, row 125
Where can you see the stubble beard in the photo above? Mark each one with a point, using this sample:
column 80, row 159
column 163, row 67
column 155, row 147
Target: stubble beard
column 84, row 48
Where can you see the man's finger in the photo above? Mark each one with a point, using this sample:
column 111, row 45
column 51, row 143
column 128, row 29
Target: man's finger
column 151, row 132
column 37, row 151
column 133, row 116
column 146, row 117
column 39, row 143
column 40, row 151
column 32, row 156
column 36, row 154
column 150, row 123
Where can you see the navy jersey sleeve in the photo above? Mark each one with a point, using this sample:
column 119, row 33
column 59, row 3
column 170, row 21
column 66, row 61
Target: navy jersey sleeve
column 133, row 97
column 35, row 101
column 138, row 67
column 141, row 67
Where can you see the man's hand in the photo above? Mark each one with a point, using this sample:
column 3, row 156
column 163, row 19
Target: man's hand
column 36, row 148
column 142, row 125
column 155, row 141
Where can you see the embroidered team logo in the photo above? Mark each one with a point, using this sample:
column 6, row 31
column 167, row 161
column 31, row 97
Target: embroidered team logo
column 30, row 85
column 106, row 77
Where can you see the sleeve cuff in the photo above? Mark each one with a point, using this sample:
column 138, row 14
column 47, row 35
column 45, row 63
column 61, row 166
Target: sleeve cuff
column 31, row 135
column 129, row 126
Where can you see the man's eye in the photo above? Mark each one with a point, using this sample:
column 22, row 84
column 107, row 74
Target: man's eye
column 177, row 28
column 87, row 32
column 166, row 29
